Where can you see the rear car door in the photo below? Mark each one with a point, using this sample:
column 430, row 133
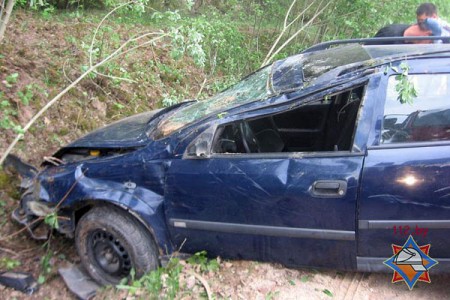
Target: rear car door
column 406, row 178
column 278, row 186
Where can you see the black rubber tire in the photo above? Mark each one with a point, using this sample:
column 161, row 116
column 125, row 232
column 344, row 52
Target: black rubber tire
column 110, row 242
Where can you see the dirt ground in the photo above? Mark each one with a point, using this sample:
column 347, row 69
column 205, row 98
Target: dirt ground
column 37, row 50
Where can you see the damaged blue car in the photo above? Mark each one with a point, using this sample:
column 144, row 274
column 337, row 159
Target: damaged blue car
column 315, row 160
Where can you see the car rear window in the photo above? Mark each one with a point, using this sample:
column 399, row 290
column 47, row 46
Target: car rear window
column 427, row 118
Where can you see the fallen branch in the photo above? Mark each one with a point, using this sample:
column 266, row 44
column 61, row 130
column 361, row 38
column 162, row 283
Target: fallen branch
column 116, row 54
column 203, row 282
column 21, row 230
column 8, row 251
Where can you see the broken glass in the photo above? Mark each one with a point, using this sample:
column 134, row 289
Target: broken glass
column 253, row 87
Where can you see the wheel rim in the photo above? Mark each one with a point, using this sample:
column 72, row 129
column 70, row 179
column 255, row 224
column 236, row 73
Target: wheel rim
column 109, row 254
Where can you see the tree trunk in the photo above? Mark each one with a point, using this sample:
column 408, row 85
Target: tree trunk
column 4, row 18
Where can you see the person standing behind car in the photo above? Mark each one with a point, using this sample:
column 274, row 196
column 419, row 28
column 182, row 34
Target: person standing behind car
column 428, row 24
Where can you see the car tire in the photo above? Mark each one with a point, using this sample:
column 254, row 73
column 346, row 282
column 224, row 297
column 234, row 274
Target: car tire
column 111, row 242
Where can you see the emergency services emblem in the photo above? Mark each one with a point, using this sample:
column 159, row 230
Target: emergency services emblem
column 411, row 263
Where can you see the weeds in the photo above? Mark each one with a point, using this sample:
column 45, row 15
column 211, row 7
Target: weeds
column 305, row 278
column 204, row 264
column 271, row 295
column 168, row 282
column 170, row 99
column 11, row 79
column 26, row 95
column 46, row 267
column 9, row 263
column 6, row 121
column 160, row 282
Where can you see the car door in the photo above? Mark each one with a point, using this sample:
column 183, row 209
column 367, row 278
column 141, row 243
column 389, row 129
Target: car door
column 289, row 195
column 405, row 183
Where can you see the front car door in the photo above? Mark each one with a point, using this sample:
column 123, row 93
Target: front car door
column 278, row 186
column 406, row 178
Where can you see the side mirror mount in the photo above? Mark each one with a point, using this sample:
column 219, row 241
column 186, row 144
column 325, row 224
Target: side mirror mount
column 200, row 147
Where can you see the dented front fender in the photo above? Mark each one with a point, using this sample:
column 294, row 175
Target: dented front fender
column 73, row 189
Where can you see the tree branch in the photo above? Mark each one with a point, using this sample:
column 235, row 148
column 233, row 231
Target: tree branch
column 4, row 19
column 285, row 28
column 295, row 34
column 112, row 56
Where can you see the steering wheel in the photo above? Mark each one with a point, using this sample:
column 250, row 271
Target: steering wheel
column 248, row 138
column 400, row 136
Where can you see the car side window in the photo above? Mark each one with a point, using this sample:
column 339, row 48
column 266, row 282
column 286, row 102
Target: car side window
column 426, row 119
column 325, row 124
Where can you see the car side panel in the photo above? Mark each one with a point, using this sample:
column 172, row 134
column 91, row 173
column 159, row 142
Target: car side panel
column 407, row 187
column 262, row 208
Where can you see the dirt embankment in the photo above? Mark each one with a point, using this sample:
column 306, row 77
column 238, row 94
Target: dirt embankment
column 47, row 55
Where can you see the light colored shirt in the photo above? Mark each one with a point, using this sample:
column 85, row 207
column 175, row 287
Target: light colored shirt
column 438, row 27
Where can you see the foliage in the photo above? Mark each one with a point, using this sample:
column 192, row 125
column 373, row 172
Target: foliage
column 9, row 263
column 27, row 95
column 212, row 41
column 52, row 220
column 404, row 87
column 165, row 282
column 327, row 292
column 6, row 119
column 46, row 267
column 170, row 99
column 305, row 278
column 201, row 260
column 162, row 281
column 271, row 295
column 11, row 79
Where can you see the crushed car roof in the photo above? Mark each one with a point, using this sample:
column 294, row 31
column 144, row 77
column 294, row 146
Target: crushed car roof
column 290, row 74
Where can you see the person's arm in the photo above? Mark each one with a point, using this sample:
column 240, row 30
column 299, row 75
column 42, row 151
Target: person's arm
column 434, row 26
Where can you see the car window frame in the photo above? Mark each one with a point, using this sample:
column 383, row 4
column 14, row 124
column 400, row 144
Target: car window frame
column 212, row 130
column 402, row 145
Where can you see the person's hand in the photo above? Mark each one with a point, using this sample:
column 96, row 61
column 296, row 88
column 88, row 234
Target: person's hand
column 433, row 25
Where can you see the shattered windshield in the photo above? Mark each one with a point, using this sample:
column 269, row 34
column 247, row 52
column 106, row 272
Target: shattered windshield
column 253, row 87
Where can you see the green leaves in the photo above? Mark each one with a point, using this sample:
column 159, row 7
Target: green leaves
column 46, row 266
column 9, row 263
column 6, row 121
column 52, row 220
column 203, row 262
column 27, row 95
column 11, row 79
column 305, row 278
column 156, row 284
column 405, row 88
column 327, row 292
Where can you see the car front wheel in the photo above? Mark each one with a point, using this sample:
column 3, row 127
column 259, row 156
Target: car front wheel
column 110, row 242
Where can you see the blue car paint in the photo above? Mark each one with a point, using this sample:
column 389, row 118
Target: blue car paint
column 177, row 197
column 386, row 201
column 273, row 192
column 104, row 181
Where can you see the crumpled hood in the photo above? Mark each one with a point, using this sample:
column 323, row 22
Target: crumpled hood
column 126, row 133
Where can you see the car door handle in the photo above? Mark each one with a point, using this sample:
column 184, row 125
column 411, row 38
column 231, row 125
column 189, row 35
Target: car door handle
column 329, row 188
